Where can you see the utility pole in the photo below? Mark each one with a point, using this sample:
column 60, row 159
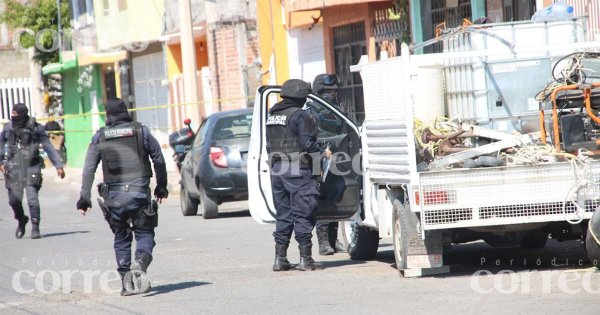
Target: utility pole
column 188, row 56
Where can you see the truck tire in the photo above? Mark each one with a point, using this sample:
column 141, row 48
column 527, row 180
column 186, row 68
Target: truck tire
column 362, row 241
column 189, row 205
column 593, row 249
column 534, row 239
column 399, row 234
column 209, row 208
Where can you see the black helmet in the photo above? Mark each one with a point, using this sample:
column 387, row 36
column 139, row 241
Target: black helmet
column 295, row 88
column 325, row 81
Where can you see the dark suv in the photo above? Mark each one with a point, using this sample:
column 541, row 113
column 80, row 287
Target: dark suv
column 214, row 169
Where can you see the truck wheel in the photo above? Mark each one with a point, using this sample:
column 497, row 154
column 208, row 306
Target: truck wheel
column 400, row 234
column 534, row 239
column 209, row 208
column 189, row 206
column 362, row 241
column 593, row 249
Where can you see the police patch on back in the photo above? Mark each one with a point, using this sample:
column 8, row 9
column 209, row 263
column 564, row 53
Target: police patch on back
column 119, row 133
column 280, row 120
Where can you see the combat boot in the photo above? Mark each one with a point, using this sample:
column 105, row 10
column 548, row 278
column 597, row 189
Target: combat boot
column 325, row 247
column 306, row 261
column 334, row 242
column 126, row 285
column 281, row 262
column 35, row 228
column 141, row 282
column 21, row 228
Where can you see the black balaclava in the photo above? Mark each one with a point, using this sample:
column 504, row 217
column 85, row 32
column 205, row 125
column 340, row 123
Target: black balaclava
column 116, row 112
column 21, row 118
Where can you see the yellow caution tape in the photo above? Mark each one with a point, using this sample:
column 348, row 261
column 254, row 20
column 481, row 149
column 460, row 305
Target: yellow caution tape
column 70, row 116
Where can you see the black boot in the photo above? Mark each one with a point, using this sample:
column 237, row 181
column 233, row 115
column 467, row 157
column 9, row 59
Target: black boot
column 126, row 285
column 21, row 228
column 35, row 228
column 306, row 261
column 281, row 262
column 324, row 247
column 141, row 282
column 333, row 240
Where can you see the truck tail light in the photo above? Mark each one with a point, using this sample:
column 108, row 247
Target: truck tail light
column 435, row 197
column 218, row 158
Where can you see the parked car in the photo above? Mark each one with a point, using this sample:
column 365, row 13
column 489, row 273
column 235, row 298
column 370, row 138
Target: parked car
column 214, row 169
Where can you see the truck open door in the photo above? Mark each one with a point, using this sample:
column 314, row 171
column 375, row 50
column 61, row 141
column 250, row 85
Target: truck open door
column 340, row 193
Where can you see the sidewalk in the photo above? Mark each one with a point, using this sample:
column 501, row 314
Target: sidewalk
column 73, row 178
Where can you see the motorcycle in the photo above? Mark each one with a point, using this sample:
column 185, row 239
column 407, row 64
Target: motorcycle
column 180, row 141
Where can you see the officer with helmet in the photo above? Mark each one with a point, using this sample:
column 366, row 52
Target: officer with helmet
column 326, row 85
column 125, row 149
column 291, row 139
column 21, row 164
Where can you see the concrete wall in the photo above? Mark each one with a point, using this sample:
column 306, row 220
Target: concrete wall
column 14, row 64
column 141, row 21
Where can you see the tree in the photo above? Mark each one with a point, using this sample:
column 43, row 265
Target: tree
column 39, row 16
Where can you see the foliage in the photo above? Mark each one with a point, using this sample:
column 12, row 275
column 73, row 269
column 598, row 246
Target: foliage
column 37, row 15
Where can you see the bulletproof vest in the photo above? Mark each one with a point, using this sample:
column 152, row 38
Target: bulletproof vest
column 23, row 146
column 281, row 139
column 122, row 152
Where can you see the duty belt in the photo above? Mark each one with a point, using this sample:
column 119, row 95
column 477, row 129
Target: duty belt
column 127, row 188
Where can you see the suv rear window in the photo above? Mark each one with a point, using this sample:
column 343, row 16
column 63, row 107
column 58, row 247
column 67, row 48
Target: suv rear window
column 233, row 127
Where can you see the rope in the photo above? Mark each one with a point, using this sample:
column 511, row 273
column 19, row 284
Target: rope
column 583, row 189
column 440, row 126
column 534, row 154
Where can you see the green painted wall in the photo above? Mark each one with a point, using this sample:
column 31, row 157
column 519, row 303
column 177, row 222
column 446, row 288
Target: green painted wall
column 79, row 130
column 477, row 9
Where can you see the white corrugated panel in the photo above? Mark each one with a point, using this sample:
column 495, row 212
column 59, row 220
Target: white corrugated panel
column 385, row 133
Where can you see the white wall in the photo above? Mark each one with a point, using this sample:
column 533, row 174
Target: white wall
column 306, row 53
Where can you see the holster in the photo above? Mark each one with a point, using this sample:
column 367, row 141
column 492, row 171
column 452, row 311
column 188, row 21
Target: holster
column 147, row 217
column 114, row 224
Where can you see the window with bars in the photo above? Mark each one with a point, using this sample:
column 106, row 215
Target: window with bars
column 349, row 44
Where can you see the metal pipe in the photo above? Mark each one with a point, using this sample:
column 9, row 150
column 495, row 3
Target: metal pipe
column 543, row 127
column 587, row 95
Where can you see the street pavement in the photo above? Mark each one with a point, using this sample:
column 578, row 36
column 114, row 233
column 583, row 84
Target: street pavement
column 222, row 266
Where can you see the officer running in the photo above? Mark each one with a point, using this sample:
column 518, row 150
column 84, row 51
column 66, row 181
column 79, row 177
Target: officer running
column 326, row 85
column 125, row 149
column 291, row 137
column 21, row 163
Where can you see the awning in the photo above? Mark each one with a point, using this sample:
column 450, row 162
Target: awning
column 102, row 58
column 54, row 68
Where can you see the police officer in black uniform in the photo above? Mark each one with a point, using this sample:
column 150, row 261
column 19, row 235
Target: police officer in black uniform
column 125, row 149
column 21, row 163
column 291, row 138
column 326, row 85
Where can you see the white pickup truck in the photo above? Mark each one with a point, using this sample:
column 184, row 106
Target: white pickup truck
column 487, row 78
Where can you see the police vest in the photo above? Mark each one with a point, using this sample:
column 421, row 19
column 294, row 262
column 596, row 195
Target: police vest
column 122, row 153
column 23, row 146
column 281, row 139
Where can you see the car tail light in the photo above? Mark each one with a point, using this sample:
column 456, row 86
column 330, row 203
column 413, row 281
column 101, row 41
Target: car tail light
column 217, row 156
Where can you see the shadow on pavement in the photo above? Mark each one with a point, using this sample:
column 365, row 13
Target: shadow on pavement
column 467, row 259
column 234, row 214
column 340, row 263
column 167, row 288
column 63, row 233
